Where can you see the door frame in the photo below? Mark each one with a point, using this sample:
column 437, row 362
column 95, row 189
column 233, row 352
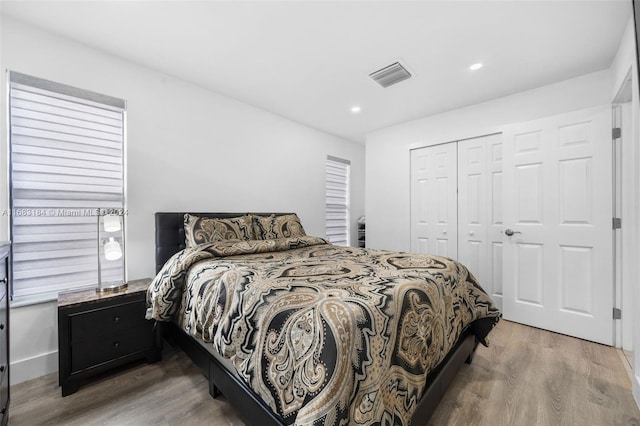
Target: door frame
column 626, row 207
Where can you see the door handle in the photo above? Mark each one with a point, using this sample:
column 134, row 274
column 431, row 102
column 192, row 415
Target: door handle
column 509, row 232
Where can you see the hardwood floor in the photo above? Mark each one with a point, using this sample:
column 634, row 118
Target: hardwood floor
column 526, row 377
column 530, row 376
column 170, row 392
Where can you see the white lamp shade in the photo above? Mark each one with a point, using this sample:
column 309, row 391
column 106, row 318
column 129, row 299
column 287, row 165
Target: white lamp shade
column 111, row 223
column 112, row 250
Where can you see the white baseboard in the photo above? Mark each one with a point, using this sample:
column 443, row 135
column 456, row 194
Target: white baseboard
column 27, row 369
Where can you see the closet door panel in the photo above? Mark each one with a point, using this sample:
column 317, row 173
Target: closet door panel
column 420, row 193
column 456, row 206
column 434, row 200
column 472, row 208
column 494, row 242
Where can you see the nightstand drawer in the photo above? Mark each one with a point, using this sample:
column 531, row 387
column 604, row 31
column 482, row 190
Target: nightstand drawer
column 95, row 351
column 107, row 320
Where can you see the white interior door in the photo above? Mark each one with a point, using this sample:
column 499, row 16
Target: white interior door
column 480, row 210
column 434, row 201
column 558, row 264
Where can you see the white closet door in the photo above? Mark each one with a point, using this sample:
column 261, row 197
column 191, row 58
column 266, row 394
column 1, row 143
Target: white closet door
column 494, row 213
column 558, row 264
column 472, row 208
column 480, row 210
column 434, row 200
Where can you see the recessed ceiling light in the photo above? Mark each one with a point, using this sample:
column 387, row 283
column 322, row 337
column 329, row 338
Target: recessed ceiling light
column 355, row 109
column 476, row 66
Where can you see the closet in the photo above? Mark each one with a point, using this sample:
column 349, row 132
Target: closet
column 456, row 205
column 530, row 208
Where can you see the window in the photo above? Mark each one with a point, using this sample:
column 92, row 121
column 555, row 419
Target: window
column 337, row 200
column 66, row 161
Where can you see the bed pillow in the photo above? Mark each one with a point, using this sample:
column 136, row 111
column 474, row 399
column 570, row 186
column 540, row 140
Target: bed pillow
column 200, row 230
column 270, row 227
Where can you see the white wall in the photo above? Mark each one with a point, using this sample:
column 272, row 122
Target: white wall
column 635, row 296
column 387, row 174
column 187, row 149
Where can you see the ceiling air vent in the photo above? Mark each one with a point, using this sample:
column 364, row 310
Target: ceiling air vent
column 390, row 75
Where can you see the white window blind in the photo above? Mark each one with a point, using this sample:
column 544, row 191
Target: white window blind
column 337, row 200
column 66, row 161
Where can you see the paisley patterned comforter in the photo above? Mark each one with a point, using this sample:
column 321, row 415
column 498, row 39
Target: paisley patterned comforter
column 326, row 335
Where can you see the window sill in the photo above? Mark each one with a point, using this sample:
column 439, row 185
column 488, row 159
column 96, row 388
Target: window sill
column 41, row 298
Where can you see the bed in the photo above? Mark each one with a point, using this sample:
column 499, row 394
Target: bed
column 294, row 330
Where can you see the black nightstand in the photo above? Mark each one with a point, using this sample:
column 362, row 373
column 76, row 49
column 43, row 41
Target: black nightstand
column 101, row 331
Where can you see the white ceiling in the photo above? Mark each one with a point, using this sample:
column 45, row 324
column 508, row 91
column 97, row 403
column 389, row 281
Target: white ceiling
column 309, row 61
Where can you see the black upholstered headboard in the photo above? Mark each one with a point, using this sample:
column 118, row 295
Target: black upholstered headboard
column 170, row 232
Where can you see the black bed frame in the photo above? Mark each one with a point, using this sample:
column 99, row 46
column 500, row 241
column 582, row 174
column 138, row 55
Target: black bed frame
column 170, row 239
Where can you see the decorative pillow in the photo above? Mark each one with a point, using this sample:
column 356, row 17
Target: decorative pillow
column 270, row 227
column 200, row 230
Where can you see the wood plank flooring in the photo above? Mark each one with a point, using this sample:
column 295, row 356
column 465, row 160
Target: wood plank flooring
column 526, row 377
